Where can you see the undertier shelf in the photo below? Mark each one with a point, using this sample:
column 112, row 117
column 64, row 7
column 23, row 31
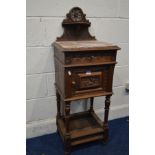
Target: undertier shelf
column 84, row 127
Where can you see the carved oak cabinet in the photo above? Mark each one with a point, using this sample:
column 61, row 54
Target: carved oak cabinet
column 83, row 70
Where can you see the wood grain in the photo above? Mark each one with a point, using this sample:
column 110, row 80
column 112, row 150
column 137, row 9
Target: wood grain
column 84, row 69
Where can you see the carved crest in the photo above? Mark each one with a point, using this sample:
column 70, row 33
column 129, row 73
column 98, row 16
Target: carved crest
column 75, row 26
column 76, row 15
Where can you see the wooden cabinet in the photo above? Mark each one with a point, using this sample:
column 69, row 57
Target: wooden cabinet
column 83, row 70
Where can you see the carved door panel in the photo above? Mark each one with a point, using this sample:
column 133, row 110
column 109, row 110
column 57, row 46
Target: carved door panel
column 86, row 82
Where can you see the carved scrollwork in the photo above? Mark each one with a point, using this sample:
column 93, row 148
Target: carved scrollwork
column 89, row 57
column 75, row 26
column 91, row 81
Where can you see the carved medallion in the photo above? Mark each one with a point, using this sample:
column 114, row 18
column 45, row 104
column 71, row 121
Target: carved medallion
column 76, row 15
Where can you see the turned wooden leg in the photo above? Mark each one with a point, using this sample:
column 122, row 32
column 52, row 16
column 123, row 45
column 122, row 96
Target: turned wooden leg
column 67, row 136
column 58, row 107
column 105, row 123
column 91, row 104
column 67, row 144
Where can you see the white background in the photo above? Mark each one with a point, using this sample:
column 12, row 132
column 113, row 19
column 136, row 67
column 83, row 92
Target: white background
column 13, row 82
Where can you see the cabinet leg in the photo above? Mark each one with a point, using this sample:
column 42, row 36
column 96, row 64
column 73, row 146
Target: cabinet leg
column 67, row 145
column 58, row 107
column 105, row 123
column 67, row 115
column 91, row 104
column 67, row 124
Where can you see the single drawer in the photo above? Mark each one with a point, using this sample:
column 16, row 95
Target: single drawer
column 89, row 57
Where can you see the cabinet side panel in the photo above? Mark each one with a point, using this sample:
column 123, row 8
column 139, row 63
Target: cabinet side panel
column 110, row 74
column 110, row 78
column 59, row 76
column 59, row 55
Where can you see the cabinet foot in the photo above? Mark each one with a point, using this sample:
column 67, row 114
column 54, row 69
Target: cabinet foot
column 67, row 150
column 106, row 135
column 67, row 153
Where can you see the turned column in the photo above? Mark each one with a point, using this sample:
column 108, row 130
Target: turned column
column 105, row 123
column 58, row 107
column 91, row 104
column 67, row 136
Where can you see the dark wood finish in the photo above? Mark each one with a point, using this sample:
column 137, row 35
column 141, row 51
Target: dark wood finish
column 91, row 104
column 105, row 123
column 84, row 69
column 58, row 107
column 75, row 26
column 84, row 45
column 83, row 126
column 67, row 125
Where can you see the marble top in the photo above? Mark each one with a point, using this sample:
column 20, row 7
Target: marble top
column 84, row 45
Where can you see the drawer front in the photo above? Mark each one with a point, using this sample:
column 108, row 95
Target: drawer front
column 86, row 80
column 89, row 57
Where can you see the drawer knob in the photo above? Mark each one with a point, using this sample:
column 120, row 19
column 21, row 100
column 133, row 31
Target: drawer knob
column 73, row 82
column 69, row 73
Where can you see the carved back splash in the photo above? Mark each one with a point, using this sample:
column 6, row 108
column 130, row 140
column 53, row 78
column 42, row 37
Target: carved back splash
column 76, row 26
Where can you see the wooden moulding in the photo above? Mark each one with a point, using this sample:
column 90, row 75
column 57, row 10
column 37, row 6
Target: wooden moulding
column 84, row 96
column 88, row 95
column 90, row 64
column 75, row 46
column 84, row 127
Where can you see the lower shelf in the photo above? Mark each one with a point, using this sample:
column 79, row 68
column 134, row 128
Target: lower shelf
column 84, row 127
